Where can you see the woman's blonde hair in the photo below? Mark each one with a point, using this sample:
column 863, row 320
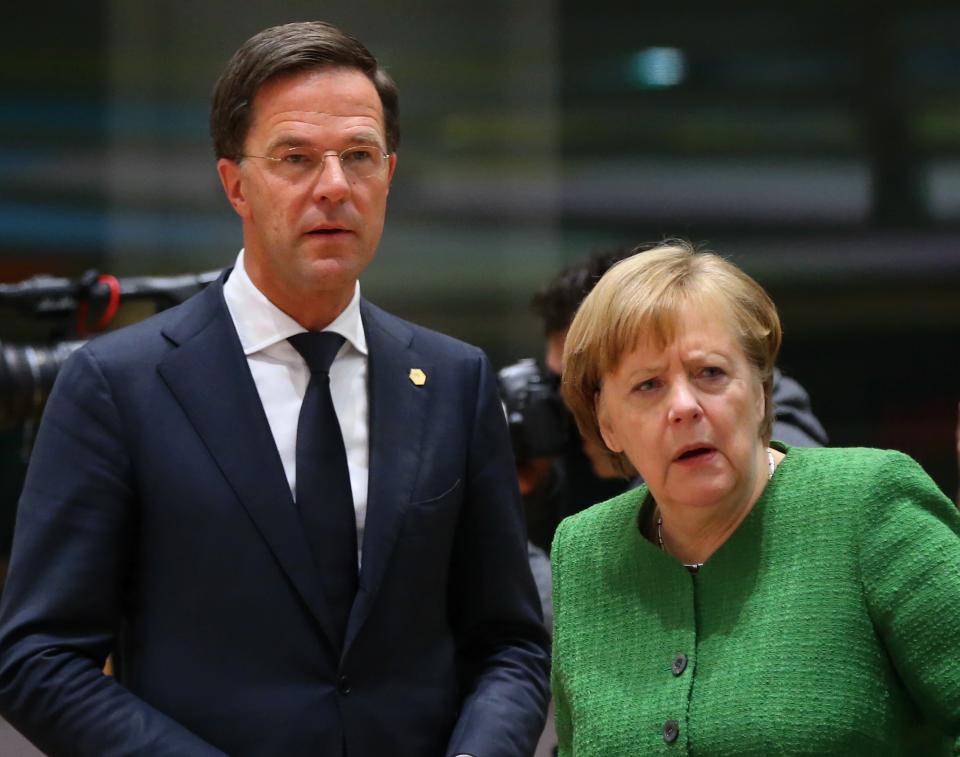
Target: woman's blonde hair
column 642, row 297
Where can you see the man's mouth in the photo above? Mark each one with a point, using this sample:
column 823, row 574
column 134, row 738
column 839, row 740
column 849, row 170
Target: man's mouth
column 326, row 232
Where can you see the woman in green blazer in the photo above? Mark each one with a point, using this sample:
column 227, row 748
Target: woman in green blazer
column 751, row 598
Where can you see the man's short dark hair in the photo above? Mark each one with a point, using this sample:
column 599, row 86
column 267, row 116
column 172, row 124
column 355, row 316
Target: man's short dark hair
column 558, row 301
column 287, row 49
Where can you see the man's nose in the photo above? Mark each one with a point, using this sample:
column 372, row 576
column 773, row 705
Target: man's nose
column 331, row 182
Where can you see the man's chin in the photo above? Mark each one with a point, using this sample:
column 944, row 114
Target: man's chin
column 331, row 272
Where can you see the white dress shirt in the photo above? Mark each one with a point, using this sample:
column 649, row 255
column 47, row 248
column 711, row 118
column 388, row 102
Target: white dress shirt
column 282, row 375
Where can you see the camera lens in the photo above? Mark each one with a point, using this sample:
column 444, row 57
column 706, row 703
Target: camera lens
column 536, row 415
column 27, row 373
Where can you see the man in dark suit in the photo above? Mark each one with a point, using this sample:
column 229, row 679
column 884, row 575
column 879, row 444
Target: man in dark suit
column 166, row 515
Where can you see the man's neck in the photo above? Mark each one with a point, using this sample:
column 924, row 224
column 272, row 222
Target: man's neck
column 315, row 312
column 312, row 310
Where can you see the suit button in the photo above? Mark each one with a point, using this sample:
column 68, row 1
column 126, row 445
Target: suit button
column 671, row 729
column 679, row 664
column 343, row 685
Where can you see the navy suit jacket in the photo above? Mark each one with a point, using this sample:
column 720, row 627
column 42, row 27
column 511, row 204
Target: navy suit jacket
column 156, row 523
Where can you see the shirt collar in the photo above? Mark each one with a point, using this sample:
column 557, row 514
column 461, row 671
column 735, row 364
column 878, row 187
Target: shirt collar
column 261, row 324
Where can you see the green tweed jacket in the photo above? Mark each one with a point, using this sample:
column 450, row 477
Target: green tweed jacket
column 827, row 624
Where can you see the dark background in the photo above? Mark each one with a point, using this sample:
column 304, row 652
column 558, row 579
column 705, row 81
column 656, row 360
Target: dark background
column 816, row 144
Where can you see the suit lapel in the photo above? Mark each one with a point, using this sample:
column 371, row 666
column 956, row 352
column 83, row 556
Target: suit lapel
column 397, row 412
column 209, row 376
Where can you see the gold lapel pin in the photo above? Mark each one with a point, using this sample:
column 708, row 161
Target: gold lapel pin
column 418, row 377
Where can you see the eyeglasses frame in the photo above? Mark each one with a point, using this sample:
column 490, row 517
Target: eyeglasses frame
column 330, row 154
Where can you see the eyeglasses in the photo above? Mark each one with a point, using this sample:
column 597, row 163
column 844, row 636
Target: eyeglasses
column 300, row 163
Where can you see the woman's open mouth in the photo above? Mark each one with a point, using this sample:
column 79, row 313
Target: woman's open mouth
column 695, row 453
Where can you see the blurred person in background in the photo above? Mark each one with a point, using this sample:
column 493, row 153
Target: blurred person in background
column 291, row 516
column 752, row 597
column 585, row 473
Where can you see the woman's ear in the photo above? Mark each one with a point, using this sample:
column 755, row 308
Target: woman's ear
column 761, row 402
column 607, row 430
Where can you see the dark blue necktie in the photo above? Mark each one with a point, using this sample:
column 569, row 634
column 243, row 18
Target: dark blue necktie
column 324, row 498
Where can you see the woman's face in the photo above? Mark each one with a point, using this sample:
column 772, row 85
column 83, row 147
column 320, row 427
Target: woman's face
column 688, row 416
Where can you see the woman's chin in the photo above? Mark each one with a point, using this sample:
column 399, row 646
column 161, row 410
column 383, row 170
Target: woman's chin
column 703, row 496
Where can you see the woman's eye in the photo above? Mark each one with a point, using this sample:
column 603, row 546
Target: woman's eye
column 647, row 386
column 711, row 371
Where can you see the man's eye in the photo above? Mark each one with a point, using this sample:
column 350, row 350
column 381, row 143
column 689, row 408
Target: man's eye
column 359, row 155
column 296, row 158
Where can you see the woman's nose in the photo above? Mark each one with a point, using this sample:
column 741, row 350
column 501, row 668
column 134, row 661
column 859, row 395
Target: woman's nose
column 684, row 404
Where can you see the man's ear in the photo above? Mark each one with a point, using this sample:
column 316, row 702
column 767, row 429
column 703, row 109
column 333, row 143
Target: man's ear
column 607, row 432
column 391, row 167
column 231, row 178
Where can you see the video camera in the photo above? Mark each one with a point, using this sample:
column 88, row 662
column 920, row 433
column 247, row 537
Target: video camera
column 27, row 371
column 539, row 421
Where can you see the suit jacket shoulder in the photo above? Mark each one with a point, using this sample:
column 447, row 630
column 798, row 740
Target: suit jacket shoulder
column 152, row 337
column 418, row 337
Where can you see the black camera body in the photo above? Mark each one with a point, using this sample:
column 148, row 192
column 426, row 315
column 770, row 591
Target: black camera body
column 539, row 421
column 27, row 371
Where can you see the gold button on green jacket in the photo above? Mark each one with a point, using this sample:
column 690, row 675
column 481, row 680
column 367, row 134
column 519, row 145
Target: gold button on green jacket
column 828, row 624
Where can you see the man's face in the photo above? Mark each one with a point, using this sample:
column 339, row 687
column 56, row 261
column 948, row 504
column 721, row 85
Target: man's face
column 554, row 356
column 307, row 240
column 599, row 458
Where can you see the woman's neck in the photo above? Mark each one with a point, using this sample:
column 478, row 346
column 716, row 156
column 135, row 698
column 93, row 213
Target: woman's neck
column 693, row 534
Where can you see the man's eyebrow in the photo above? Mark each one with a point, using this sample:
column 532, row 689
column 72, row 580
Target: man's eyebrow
column 287, row 140
column 293, row 140
column 367, row 138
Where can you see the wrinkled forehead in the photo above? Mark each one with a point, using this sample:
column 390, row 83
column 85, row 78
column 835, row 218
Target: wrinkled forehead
column 658, row 323
column 319, row 132
column 329, row 100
